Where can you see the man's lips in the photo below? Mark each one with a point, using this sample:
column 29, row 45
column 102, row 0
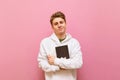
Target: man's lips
column 60, row 29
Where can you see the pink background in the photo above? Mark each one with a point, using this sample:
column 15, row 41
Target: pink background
column 95, row 23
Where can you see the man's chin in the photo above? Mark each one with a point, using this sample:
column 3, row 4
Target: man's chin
column 62, row 33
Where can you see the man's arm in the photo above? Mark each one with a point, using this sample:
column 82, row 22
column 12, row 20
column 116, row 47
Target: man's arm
column 43, row 61
column 74, row 62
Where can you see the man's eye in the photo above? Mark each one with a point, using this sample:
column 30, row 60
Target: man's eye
column 55, row 23
column 61, row 22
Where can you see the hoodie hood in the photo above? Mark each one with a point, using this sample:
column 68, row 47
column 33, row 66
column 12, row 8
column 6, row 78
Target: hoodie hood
column 55, row 38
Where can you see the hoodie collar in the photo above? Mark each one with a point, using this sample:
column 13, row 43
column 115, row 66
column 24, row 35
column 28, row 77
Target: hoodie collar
column 55, row 38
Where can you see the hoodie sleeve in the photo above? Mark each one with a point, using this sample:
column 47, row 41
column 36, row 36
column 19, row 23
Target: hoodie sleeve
column 75, row 60
column 43, row 62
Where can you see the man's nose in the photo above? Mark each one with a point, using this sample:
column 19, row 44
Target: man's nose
column 59, row 25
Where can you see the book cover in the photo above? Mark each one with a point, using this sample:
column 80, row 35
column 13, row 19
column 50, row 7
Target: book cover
column 62, row 51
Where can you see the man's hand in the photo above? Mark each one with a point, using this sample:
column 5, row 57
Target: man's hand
column 51, row 59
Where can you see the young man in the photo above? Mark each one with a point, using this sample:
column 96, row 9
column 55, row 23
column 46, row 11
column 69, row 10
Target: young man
column 59, row 68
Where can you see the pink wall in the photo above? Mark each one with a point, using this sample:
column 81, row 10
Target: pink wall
column 95, row 23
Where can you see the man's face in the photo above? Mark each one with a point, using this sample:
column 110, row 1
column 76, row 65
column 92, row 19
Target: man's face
column 59, row 26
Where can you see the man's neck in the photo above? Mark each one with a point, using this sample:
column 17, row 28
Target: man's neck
column 62, row 36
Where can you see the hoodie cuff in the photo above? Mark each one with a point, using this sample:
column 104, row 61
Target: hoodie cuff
column 57, row 61
column 55, row 68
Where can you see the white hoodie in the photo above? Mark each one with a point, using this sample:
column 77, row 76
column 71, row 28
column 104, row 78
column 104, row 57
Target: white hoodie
column 54, row 72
